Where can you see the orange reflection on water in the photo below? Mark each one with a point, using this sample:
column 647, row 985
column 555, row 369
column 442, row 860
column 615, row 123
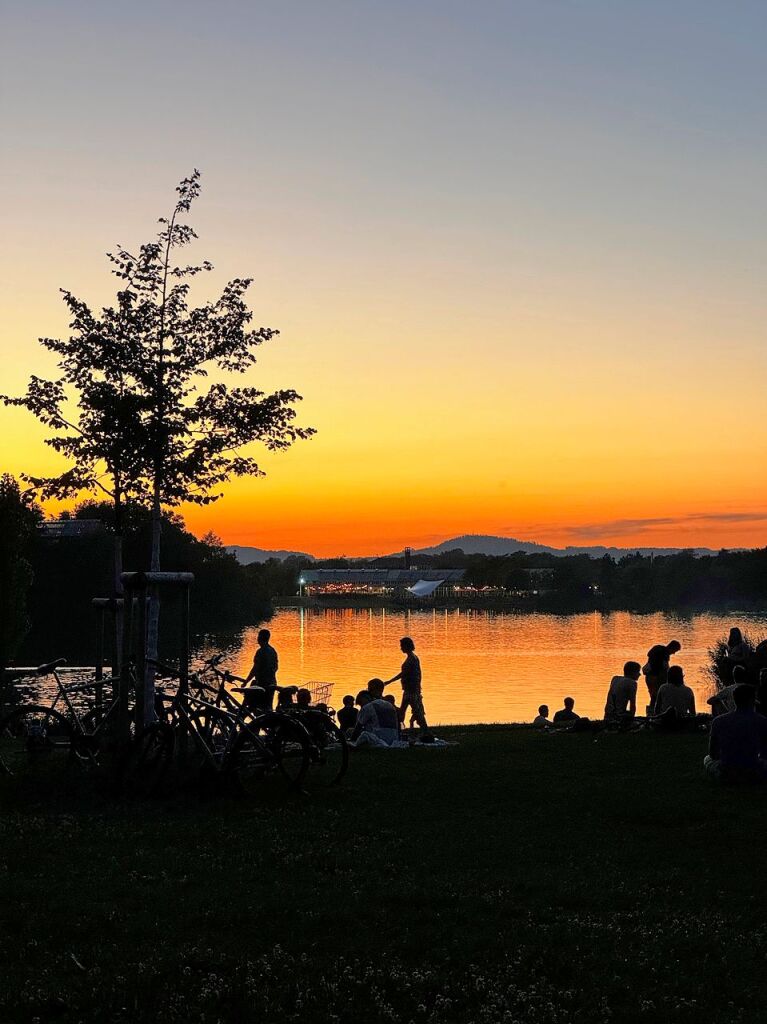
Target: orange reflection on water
column 485, row 667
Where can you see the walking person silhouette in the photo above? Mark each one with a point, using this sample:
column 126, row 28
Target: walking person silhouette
column 410, row 677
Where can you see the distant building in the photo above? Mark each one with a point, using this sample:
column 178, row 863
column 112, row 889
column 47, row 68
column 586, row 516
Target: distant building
column 61, row 529
column 395, row 583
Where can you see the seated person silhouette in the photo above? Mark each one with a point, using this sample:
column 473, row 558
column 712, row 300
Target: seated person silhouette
column 737, row 749
column 378, row 720
column 347, row 716
column 303, row 698
column 674, row 702
column 724, row 700
column 285, row 696
column 621, row 705
column 541, row 720
column 566, row 714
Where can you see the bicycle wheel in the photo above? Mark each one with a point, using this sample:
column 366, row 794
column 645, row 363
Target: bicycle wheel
column 142, row 769
column 35, row 742
column 213, row 733
column 330, row 751
column 215, row 728
column 91, row 741
column 268, row 745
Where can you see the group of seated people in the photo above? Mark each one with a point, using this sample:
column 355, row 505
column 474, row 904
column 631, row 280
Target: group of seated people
column 673, row 707
column 377, row 723
column 738, row 739
column 566, row 716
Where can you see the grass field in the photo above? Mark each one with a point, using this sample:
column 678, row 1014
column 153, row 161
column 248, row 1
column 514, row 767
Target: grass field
column 516, row 877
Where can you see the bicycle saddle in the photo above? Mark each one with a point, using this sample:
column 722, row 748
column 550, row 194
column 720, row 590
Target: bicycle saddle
column 44, row 670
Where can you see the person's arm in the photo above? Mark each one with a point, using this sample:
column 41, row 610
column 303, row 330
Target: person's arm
column 250, row 674
column 713, row 742
column 693, row 712
column 359, row 728
column 633, row 700
column 358, row 725
column 393, row 679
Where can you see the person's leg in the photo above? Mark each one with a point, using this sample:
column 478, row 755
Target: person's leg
column 406, row 703
column 419, row 714
column 666, row 721
column 712, row 767
column 652, row 691
column 367, row 739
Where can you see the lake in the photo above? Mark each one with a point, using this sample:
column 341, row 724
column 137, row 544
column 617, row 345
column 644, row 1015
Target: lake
column 484, row 666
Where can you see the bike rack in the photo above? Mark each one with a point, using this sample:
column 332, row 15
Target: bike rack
column 141, row 587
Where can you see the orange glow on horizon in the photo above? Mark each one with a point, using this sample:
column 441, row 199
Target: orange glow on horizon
column 516, row 260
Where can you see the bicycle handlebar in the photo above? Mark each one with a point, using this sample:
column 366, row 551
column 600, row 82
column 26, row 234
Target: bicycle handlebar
column 166, row 670
column 45, row 670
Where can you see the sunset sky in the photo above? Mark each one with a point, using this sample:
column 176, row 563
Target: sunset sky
column 517, row 251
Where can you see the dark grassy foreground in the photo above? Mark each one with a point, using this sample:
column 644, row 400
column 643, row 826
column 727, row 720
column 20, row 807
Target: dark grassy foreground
column 517, row 877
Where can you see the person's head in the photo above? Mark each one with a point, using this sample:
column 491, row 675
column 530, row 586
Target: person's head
column 263, row 638
column 569, row 703
column 390, row 698
column 632, row 670
column 744, row 697
column 739, row 675
column 676, row 675
column 544, row 710
column 735, row 637
column 406, row 645
column 673, row 647
column 363, row 698
column 376, row 688
column 348, row 701
column 303, row 697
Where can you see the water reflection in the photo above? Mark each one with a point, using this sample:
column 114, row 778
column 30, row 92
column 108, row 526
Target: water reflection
column 482, row 666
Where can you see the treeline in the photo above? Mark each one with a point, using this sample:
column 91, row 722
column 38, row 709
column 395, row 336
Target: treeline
column 50, row 581
column 728, row 580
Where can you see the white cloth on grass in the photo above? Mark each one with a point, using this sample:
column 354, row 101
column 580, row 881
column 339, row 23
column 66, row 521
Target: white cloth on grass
column 379, row 721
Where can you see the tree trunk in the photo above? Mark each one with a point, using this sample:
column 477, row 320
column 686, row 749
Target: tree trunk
column 153, row 616
column 118, row 586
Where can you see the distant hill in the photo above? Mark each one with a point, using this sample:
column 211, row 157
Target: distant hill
column 247, row 556
column 478, row 544
column 481, row 544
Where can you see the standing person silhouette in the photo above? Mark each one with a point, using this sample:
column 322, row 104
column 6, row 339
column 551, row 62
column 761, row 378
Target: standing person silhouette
column 263, row 673
column 410, row 676
column 655, row 670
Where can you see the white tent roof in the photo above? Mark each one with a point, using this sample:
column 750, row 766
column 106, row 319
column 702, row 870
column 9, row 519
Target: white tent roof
column 424, row 588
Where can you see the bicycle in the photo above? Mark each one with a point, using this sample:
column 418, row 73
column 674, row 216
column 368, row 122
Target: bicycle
column 228, row 746
column 35, row 735
column 330, row 750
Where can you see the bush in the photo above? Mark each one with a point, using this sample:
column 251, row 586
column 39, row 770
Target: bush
column 720, row 667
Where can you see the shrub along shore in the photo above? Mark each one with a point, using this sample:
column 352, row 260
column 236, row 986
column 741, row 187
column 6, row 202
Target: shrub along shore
column 517, row 876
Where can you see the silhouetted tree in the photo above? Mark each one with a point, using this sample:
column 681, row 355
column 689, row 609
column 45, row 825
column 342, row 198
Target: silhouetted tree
column 145, row 429
column 19, row 517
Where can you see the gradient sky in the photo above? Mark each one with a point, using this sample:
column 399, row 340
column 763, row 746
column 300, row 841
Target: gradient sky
column 517, row 251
